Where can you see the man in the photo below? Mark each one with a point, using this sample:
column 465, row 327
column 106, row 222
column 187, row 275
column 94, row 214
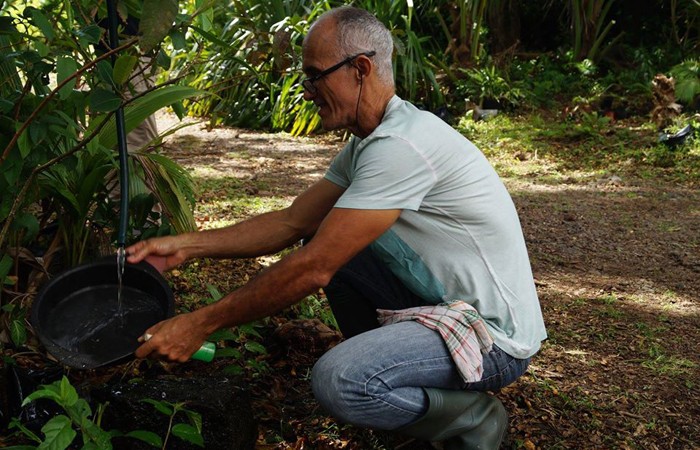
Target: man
column 410, row 219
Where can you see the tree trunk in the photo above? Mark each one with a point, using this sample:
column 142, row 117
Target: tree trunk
column 503, row 18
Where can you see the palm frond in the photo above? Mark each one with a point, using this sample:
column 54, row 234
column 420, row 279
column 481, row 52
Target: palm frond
column 172, row 186
column 140, row 109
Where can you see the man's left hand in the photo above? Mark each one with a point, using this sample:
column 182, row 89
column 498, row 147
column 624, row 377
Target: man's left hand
column 174, row 339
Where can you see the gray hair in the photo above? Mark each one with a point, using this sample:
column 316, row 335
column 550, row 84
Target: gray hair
column 360, row 31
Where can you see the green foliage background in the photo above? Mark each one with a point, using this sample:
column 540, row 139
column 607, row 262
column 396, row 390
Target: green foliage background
column 448, row 55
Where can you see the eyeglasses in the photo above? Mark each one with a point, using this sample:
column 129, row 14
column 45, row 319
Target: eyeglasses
column 309, row 83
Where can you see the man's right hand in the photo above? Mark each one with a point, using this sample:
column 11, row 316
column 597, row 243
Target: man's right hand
column 163, row 253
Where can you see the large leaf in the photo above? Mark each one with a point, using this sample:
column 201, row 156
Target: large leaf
column 69, row 396
column 255, row 347
column 162, row 406
column 65, row 67
column 188, row 433
column 18, row 332
column 140, row 109
column 41, row 21
column 89, row 185
column 54, row 182
column 103, row 100
column 157, row 18
column 89, row 35
column 123, row 67
column 147, row 437
column 59, row 434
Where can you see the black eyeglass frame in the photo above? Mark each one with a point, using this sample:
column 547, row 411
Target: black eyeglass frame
column 309, row 82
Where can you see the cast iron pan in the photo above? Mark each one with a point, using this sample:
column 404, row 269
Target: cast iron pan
column 77, row 316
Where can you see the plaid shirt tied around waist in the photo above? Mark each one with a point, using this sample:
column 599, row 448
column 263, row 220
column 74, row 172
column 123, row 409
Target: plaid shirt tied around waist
column 459, row 325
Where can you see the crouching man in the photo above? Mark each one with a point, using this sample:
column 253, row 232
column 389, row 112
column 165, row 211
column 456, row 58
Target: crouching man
column 415, row 241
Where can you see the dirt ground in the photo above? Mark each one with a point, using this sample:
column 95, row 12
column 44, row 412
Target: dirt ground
column 617, row 267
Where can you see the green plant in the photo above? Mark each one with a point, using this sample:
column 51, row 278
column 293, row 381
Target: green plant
column 417, row 33
column 488, row 84
column 313, row 307
column 464, row 30
column 60, row 431
column 415, row 67
column 590, row 28
column 242, row 342
column 189, row 432
column 251, row 63
column 687, row 77
column 50, row 133
column 242, row 345
column 14, row 315
column 544, row 79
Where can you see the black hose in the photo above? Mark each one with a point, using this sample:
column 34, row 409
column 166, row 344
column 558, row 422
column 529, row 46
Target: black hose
column 121, row 135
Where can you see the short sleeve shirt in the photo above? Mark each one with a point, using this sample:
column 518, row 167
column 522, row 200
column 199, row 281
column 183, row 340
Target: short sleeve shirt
column 458, row 236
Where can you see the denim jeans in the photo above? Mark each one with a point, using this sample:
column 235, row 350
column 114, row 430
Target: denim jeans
column 376, row 377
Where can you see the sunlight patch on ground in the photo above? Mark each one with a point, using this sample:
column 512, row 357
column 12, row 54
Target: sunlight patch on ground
column 642, row 294
column 224, row 212
column 601, row 184
column 667, row 302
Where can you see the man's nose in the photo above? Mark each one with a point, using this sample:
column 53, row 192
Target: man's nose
column 308, row 95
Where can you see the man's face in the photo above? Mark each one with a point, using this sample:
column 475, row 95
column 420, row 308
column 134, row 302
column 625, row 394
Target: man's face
column 335, row 93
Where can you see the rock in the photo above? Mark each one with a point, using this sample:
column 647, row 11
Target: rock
column 225, row 407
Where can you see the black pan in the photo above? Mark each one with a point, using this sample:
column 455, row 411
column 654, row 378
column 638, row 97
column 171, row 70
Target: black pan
column 78, row 318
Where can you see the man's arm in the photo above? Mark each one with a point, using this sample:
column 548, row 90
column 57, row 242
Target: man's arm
column 341, row 235
column 260, row 235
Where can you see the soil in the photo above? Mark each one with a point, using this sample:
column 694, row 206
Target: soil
column 617, row 268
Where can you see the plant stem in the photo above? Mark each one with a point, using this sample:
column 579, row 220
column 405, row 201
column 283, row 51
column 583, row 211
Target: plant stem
column 170, row 426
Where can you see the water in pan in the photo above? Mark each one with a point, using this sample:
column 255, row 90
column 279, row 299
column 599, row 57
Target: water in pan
column 91, row 322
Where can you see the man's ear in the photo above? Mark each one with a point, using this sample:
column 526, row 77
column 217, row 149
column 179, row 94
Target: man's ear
column 363, row 65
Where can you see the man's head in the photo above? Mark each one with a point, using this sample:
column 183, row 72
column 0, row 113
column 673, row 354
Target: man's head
column 347, row 60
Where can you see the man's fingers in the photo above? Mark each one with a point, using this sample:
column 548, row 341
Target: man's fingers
column 145, row 350
column 136, row 252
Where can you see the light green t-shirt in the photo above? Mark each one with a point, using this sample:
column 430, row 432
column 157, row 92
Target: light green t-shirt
column 458, row 236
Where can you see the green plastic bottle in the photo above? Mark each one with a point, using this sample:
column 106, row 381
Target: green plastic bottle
column 205, row 352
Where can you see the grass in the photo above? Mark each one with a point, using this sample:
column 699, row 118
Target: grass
column 224, row 200
column 672, row 366
column 554, row 148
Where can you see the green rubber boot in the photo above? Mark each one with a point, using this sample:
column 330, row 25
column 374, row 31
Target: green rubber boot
column 463, row 420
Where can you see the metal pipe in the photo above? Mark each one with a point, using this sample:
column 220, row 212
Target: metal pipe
column 121, row 135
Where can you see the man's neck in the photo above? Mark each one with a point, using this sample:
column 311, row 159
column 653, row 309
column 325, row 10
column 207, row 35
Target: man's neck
column 371, row 112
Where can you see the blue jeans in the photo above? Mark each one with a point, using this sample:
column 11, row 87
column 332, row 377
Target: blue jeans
column 376, row 377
